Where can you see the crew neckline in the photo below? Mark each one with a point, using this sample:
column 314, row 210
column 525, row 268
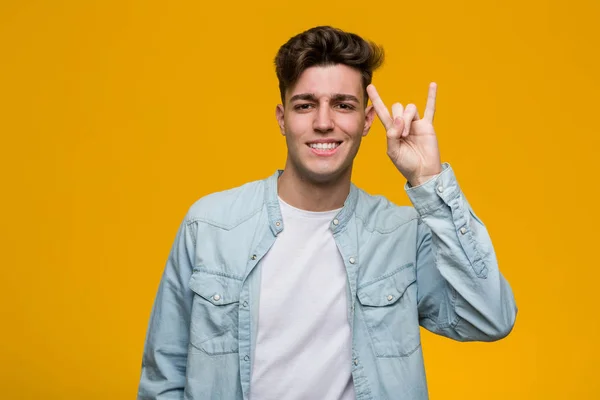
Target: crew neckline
column 305, row 213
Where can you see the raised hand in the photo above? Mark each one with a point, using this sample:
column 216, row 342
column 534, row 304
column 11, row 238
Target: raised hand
column 411, row 142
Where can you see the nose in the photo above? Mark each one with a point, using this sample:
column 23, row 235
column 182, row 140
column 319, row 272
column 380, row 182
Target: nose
column 323, row 121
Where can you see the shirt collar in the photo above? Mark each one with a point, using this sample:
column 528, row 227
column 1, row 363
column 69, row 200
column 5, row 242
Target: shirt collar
column 274, row 212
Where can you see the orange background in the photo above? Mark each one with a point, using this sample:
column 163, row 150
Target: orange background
column 117, row 115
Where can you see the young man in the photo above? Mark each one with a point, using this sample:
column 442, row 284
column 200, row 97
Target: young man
column 302, row 286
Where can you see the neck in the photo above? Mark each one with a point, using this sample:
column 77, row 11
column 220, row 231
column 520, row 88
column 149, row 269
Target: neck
column 302, row 193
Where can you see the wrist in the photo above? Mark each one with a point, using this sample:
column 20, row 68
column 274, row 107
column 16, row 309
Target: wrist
column 419, row 180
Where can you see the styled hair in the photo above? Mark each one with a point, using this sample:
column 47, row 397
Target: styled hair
column 324, row 46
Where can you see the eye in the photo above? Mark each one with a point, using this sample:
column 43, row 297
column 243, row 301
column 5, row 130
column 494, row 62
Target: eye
column 345, row 106
column 301, row 107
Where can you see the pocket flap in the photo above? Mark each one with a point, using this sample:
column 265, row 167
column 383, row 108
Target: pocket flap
column 216, row 288
column 388, row 289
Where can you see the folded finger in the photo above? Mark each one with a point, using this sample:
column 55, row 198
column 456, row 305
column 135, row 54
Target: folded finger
column 397, row 110
column 410, row 114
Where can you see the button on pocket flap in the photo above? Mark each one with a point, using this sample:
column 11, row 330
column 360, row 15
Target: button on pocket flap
column 388, row 289
column 216, row 288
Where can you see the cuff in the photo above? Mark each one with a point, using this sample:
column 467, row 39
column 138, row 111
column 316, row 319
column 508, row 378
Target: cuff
column 434, row 193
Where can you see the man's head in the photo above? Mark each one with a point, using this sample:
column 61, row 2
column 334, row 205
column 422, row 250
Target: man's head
column 323, row 75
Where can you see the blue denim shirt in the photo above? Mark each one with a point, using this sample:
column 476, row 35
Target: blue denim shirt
column 431, row 265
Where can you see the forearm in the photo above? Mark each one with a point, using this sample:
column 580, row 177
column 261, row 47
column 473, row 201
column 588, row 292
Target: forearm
column 466, row 297
column 165, row 351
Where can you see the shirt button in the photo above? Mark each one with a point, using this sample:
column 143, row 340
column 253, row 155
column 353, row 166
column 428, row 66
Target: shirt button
column 216, row 297
column 352, row 260
column 356, row 361
column 390, row 297
column 335, row 221
column 245, row 304
column 278, row 223
column 253, row 257
column 440, row 188
column 246, row 358
column 463, row 230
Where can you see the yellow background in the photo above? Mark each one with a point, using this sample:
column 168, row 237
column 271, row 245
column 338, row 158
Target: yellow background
column 117, row 115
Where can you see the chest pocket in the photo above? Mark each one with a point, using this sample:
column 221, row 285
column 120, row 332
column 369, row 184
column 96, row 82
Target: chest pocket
column 389, row 307
column 215, row 308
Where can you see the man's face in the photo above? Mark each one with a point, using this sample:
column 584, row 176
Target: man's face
column 324, row 120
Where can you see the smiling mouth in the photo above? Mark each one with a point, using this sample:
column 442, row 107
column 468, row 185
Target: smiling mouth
column 324, row 146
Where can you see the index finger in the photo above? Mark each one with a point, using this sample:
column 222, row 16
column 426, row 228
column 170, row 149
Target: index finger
column 430, row 107
column 379, row 106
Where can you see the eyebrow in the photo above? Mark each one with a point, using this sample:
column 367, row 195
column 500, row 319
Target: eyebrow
column 334, row 97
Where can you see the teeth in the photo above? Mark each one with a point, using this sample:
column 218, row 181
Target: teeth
column 324, row 146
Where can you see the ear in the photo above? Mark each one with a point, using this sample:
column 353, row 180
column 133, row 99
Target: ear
column 369, row 117
column 279, row 114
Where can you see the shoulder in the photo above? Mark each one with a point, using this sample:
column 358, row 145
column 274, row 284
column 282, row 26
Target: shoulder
column 228, row 208
column 377, row 213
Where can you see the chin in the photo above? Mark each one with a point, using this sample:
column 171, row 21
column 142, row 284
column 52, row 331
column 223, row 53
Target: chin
column 324, row 176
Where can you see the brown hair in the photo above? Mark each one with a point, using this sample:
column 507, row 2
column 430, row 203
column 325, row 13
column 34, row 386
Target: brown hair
column 322, row 46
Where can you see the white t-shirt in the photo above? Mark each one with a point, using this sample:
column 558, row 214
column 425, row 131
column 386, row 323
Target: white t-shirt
column 303, row 343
